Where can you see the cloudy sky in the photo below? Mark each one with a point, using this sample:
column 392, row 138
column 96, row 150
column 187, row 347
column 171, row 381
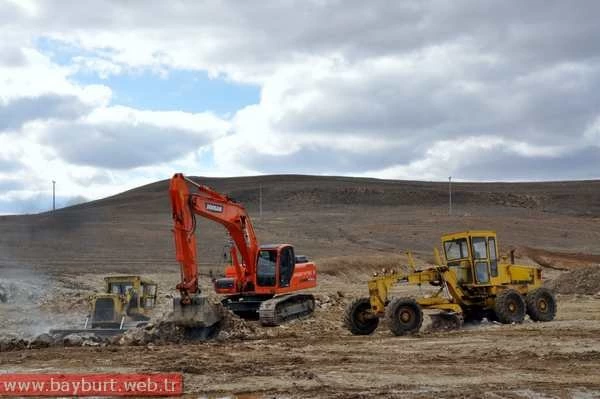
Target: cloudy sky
column 103, row 96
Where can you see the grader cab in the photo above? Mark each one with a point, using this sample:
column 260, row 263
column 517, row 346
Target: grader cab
column 473, row 283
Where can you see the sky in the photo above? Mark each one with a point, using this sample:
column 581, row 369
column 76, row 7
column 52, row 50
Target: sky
column 106, row 95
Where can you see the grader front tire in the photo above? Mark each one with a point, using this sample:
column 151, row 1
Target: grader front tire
column 404, row 316
column 358, row 318
column 510, row 307
column 541, row 304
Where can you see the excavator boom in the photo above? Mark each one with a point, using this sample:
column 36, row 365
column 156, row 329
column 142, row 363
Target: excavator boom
column 219, row 208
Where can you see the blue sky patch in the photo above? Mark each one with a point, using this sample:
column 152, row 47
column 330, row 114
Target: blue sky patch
column 182, row 90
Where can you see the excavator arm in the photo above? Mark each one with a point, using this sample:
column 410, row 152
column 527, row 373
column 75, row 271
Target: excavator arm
column 219, row 208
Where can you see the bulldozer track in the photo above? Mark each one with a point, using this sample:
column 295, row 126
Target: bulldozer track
column 281, row 309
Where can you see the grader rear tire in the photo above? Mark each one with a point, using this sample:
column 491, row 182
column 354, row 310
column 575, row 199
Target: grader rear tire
column 356, row 318
column 510, row 307
column 541, row 304
column 404, row 316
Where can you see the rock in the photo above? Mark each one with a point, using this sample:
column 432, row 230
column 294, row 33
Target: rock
column 12, row 343
column 42, row 341
column 73, row 340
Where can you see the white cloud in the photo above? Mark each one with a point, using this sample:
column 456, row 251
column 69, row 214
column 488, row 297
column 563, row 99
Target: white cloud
column 411, row 89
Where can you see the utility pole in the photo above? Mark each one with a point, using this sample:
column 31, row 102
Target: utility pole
column 260, row 201
column 53, row 195
column 449, row 195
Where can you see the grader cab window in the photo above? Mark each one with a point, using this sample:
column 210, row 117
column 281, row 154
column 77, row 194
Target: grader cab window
column 456, row 249
column 457, row 253
column 481, row 260
column 493, row 257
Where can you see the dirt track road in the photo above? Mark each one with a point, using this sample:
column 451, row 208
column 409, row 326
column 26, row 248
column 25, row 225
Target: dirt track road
column 318, row 358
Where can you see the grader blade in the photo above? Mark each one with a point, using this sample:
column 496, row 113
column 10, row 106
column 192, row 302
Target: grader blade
column 446, row 321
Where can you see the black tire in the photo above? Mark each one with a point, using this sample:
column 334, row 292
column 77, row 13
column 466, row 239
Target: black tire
column 541, row 305
column 356, row 320
column 404, row 316
column 510, row 307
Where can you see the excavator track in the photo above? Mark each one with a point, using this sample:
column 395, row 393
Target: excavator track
column 281, row 309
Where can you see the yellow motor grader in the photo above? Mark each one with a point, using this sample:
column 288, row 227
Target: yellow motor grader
column 473, row 283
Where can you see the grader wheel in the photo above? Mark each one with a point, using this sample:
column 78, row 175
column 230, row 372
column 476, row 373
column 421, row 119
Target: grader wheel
column 510, row 307
column 359, row 318
column 404, row 316
column 541, row 305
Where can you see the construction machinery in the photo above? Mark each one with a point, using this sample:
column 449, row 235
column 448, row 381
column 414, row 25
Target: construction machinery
column 261, row 281
column 473, row 283
column 126, row 302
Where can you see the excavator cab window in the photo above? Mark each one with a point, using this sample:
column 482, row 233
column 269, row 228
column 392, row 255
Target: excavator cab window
column 286, row 266
column 267, row 264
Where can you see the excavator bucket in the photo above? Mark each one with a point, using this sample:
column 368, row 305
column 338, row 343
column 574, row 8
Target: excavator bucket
column 201, row 319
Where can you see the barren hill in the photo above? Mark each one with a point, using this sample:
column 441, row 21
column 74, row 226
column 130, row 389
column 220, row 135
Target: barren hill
column 323, row 217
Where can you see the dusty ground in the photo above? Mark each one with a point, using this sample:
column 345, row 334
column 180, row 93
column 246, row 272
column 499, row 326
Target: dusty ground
column 50, row 264
column 316, row 357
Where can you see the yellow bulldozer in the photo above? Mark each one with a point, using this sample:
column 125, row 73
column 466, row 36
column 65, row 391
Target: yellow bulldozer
column 473, row 283
column 126, row 302
column 126, row 299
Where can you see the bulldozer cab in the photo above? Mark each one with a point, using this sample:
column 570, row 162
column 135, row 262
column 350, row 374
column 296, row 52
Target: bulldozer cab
column 473, row 256
column 139, row 293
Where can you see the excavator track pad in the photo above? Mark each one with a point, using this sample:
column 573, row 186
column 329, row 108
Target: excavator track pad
column 280, row 309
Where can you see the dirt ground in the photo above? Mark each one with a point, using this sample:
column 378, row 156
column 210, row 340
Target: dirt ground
column 51, row 264
column 317, row 357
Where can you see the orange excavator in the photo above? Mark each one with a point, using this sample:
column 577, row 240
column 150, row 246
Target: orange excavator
column 262, row 284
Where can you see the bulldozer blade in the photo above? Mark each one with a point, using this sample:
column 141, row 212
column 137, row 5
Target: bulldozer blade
column 99, row 332
column 200, row 313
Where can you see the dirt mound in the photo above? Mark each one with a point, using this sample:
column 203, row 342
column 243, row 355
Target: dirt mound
column 350, row 266
column 581, row 281
column 558, row 260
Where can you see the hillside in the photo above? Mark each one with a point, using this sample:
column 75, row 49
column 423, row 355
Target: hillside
column 324, row 217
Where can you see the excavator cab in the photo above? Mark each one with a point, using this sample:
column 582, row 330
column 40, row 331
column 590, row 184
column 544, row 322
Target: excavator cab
column 275, row 266
column 274, row 270
column 473, row 256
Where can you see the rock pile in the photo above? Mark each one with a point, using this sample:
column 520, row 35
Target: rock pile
column 14, row 342
column 581, row 281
